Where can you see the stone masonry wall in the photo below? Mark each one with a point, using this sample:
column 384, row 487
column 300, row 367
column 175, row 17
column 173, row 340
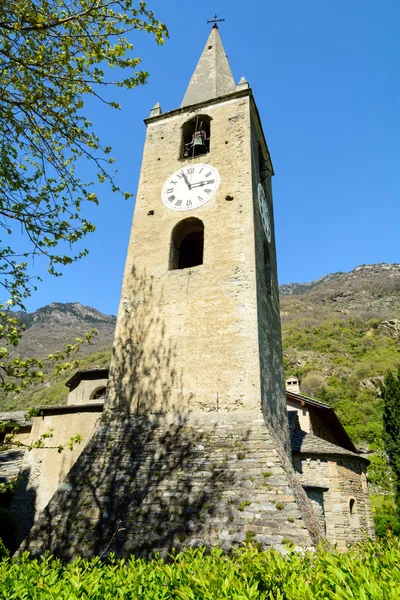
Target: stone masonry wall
column 203, row 320
column 273, row 395
column 144, row 486
column 343, row 480
column 42, row 470
column 218, row 332
column 353, row 485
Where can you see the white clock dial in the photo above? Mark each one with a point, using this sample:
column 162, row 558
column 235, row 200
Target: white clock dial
column 190, row 187
column 264, row 212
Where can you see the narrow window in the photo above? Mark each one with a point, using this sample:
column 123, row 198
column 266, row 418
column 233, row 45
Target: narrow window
column 187, row 244
column 267, row 267
column 196, row 137
column 354, row 519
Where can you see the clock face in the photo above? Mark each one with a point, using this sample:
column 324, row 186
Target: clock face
column 264, row 212
column 190, row 187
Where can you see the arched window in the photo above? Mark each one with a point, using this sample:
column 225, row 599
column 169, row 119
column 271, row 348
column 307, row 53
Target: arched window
column 99, row 393
column 196, row 137
column 187, row 244
column 267, row 267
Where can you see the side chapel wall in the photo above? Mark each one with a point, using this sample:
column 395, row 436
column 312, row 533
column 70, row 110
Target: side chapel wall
column 44, row 469
column 345, row 479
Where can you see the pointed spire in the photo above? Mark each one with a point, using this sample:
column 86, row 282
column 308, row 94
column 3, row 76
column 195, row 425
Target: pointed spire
column 156, row 110
column 243, row 84
column 212, row 77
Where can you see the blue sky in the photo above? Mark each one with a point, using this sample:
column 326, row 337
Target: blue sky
column 325, row 77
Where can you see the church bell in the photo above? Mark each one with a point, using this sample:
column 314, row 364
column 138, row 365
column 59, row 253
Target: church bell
column 199, row 138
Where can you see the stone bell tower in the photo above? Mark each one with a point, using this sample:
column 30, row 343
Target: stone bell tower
column 203, row 242
column 193, row 447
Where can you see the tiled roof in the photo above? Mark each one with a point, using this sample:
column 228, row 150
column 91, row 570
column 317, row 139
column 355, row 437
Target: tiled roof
column 18, row 416
column 10, row 463
column 328, row 416
column 306, row 443
column 101, row 373
column 307, row 400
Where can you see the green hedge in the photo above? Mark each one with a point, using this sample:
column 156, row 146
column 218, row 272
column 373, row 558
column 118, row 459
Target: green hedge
column 385, row 516
column 369, row 571
column 386, row 525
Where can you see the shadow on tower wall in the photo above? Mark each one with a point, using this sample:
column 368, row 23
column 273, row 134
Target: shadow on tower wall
column 149, row 480
column 22, row 506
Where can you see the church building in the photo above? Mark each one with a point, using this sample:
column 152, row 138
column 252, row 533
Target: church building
column 194, row 446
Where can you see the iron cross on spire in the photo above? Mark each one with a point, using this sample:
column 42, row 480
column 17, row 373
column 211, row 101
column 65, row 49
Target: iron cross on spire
column 215, row 20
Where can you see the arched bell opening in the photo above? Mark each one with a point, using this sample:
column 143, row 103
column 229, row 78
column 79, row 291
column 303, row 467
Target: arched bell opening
column 187, row 244
column 196, row 136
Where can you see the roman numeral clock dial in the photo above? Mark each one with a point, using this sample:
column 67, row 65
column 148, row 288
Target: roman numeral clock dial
column 190, row 187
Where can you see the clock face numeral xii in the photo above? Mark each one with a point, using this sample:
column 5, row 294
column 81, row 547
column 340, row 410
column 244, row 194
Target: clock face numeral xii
column 190, row 187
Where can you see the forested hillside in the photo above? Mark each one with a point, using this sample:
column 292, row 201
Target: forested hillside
column 341, row 334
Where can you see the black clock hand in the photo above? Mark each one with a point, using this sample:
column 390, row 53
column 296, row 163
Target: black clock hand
column 199, row 184
column 186, row 179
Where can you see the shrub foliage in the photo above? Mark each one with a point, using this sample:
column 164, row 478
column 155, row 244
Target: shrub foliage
column 346, row 354
column 370, row 571
column 391, row 420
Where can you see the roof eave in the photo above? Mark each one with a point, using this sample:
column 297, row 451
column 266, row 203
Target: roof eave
column 336, row 455
column 199, row 105
column 344, row 437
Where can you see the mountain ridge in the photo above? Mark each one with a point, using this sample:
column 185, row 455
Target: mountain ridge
column 291, row 289
column 88, row 313
column 52, row 326
column 65, row 311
